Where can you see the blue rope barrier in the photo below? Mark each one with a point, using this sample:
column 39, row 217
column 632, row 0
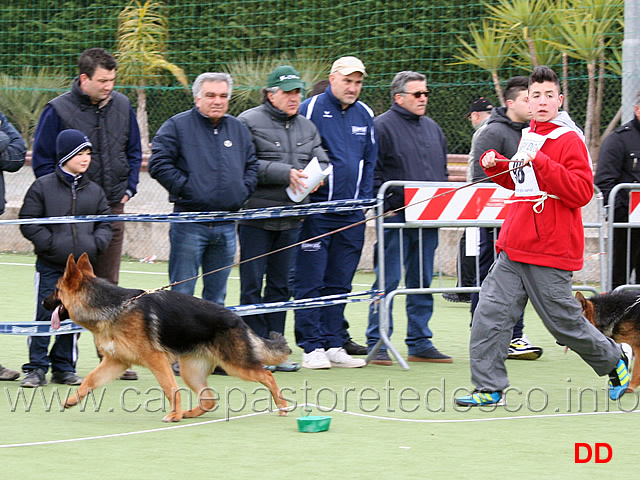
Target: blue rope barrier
column 42, row 329
column 336, row 206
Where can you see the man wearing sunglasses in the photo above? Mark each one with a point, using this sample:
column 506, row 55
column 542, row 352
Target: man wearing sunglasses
column 411, row 146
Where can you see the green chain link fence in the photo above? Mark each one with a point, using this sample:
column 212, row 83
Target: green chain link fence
column 40, row 41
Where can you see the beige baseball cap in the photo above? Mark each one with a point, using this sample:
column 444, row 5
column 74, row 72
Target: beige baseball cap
column 348, row 65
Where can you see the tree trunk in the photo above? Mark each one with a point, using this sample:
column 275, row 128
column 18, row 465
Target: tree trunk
column 497, row 87
column 588, row 123
column 532, row 51
column 597, row 113
column 613, row 124
column 141, row 116
column 565, row 81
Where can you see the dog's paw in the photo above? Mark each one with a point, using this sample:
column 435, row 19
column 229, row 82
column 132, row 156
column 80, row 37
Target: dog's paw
column 71, row 401
column 172, row 417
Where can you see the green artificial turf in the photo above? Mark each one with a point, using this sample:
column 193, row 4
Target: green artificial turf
column 386, row 421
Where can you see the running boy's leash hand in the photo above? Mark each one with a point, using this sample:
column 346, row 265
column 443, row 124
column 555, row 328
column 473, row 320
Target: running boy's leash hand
column 488, row 160
column 529, row 159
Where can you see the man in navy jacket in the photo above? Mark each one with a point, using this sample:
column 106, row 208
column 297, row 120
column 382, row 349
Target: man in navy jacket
column 326, row 266
column 207, row 162
column 411, row 147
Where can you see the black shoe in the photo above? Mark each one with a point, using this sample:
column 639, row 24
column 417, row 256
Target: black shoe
column 431, row 355
column 34, row 378
column 66, row 378
column 129, row 375
column 457, row 297
column 381, row 358
column 176, row 368
column 352, row 348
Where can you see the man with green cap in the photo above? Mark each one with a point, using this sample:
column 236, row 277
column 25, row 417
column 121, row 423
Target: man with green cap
column 285, row 143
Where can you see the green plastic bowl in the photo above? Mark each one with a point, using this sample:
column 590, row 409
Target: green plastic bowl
column 313, row 424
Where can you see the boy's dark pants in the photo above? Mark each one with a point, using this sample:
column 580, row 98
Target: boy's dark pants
column 63, row 354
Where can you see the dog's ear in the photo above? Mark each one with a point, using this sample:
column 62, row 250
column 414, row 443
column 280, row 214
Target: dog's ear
column 85, row 265
column 583, row 302
column 72, row 273
column 588, row 309
column 71, row 264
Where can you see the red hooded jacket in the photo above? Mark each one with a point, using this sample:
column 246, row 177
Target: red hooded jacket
column 554, row 237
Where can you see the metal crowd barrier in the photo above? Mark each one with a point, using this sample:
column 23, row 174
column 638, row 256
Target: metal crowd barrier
column 431, row 206
column 633, row 222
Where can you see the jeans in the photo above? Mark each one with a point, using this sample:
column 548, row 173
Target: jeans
column 419, row 306
column 255, row 241
column 64, row 353
column 211, row 245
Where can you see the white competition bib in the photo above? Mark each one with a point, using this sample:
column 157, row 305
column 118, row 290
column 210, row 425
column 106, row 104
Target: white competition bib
column 525, row 178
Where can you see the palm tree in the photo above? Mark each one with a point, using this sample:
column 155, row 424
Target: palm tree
column 615, row 66
column 23, row 98
column 489, row 51
column 524, row 18
column 585, row 35
column 142, row 34
column 250, row 74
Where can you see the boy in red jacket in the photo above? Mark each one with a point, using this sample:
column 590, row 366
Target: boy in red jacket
column 540, row 244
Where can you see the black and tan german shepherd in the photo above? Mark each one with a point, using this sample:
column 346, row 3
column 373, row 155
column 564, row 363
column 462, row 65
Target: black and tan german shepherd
column 156, row 329
column 617, row 315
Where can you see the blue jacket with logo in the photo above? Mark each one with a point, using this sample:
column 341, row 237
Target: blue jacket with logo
column 348, row 136
column 204, row 167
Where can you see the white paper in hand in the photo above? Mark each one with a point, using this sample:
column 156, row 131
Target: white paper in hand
column 315, row 175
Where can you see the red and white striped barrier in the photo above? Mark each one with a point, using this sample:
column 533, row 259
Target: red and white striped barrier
column 480, row 202
column 634, row 207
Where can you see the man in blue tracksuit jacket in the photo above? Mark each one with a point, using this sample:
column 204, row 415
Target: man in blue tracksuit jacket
column 326, row 266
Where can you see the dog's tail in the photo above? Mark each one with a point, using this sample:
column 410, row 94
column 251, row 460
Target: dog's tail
column 273, row 350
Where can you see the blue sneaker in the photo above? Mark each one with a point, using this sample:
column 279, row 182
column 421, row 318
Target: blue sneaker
column 478, row 399
column 619, row 378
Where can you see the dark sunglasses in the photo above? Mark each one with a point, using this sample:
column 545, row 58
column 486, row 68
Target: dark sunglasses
column 419, row 94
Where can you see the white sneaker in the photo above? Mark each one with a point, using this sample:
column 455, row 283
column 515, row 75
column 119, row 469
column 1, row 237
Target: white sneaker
column 316, row 359
column 340, row 358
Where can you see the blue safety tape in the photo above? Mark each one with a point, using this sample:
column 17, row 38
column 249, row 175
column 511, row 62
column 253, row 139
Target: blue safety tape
column 299, row 304
column 43, row 329
column 39, row 329
column 336, row 206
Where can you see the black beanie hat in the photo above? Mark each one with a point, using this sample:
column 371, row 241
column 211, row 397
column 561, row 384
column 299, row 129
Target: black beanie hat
column 69, row 143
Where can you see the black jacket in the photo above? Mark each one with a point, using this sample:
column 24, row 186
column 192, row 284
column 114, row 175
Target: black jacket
column 202, row 166
column 619, row 162
column 410, row 147
column 500, row 134
column 282, row 142
column 116, row 154
column 53, row 195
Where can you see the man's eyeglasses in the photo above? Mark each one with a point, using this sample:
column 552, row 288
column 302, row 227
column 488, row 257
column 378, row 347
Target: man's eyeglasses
column 418, row 94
